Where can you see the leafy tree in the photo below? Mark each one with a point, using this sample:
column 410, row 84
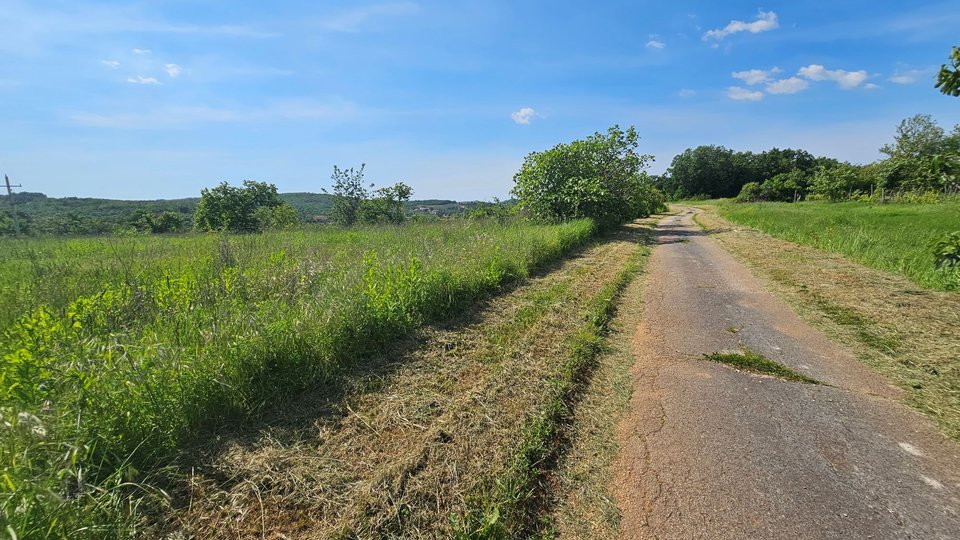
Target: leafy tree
column 348, row 195
column 836, row 183
column 948, row 79
column 237, row 209
column 709, row 170
column 386, row 206
column 921, row 155
column 600, row 177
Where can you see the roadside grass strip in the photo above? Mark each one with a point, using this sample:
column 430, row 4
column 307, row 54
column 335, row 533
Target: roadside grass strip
column 747, row 360
column 512, row 505
column 102, row 393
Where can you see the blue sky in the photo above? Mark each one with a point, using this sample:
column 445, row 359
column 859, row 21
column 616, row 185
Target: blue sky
column 158, row 99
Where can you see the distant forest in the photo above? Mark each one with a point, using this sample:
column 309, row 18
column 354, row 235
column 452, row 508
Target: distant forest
column 41, row 215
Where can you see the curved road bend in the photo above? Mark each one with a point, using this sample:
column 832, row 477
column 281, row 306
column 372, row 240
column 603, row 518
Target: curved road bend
column 711, row 452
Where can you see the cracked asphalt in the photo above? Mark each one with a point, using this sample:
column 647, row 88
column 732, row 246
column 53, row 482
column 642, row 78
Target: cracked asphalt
column 712, row 452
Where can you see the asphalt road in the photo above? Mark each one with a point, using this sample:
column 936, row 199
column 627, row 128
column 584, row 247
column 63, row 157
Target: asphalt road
column 712, row 452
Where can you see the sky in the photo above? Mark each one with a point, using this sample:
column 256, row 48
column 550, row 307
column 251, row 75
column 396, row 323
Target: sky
column 158, row 99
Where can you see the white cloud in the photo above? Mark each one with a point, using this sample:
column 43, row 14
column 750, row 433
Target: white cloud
column 906, row 77
column 524, row 116
column 352, row 20
column 743, row 94
column 870, row 86
column 766, row 20
column 788, row 86
column 142, row 51
column 173, row 70
column 846, row 79
column 140, row 79
column 686, row 92
column 183, row 116
column 656, row 44
column 756, row 76
column 112, row 64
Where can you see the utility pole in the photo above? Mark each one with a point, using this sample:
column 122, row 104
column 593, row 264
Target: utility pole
column 13, row 209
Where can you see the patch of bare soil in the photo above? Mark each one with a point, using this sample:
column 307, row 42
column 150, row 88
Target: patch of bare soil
column 905, row 332
column 397, row 450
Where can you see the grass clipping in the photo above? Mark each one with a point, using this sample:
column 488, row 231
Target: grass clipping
column 748, row 360
column 512, row 506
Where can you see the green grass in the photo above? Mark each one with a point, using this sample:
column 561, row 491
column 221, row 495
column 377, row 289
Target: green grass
column 747, row 360
column 894, row 237
column 118, row 354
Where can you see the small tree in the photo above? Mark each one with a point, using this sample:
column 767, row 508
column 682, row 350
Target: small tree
column 387, row 205
column 235, row 209
column 348, row 195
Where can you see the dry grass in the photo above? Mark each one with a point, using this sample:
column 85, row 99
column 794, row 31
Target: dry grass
column 584, row 506
column 903, row 331
column 399, row 450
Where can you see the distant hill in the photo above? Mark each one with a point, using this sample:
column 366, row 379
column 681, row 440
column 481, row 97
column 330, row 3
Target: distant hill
column 40, row 214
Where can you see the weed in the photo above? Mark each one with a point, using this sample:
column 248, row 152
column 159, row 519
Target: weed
column 748, row 360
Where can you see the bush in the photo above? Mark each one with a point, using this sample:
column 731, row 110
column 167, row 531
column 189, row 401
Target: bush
column 254, row 207
column 946, row 251
column 599, row 177
column 751, row 192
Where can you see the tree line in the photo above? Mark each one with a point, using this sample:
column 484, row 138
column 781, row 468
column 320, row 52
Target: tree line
column 922, row 163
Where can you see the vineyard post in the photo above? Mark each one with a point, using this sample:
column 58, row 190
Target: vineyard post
column 13, row 209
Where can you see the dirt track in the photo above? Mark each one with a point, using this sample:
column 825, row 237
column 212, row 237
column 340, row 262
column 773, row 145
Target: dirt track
column 709, row 451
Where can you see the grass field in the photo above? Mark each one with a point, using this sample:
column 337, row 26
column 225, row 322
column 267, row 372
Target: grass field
column 894, row 237
column 119, row 353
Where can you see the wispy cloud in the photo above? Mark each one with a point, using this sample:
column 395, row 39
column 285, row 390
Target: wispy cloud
column 686, row 92
column 655, row 43
column 173, row 70
column 756, row 76
column 142, row 52
column 766, row 20
column 180, row 117
column 112, row 64
column 352, row 20
column 524, row 116
column 846, row 79
column 787, row 86
column 140, row 79
column 909, row 76
column 737, row 93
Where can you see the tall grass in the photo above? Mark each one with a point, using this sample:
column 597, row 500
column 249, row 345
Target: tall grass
column 895, row 237
column 119, row 353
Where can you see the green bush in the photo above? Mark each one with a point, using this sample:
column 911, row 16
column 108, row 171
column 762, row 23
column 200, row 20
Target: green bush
column 946, row 251
column 600, row 177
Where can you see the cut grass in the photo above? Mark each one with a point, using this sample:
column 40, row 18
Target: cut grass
column 894, row 237
column 513, row 506
column 748, row 360
column 438, row 422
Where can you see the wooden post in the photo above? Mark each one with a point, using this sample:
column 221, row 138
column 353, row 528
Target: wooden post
column 13, row 209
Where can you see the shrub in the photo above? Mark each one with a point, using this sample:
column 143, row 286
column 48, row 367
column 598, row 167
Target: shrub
column 600, row 177
column 946, row 251
column 251, row 208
